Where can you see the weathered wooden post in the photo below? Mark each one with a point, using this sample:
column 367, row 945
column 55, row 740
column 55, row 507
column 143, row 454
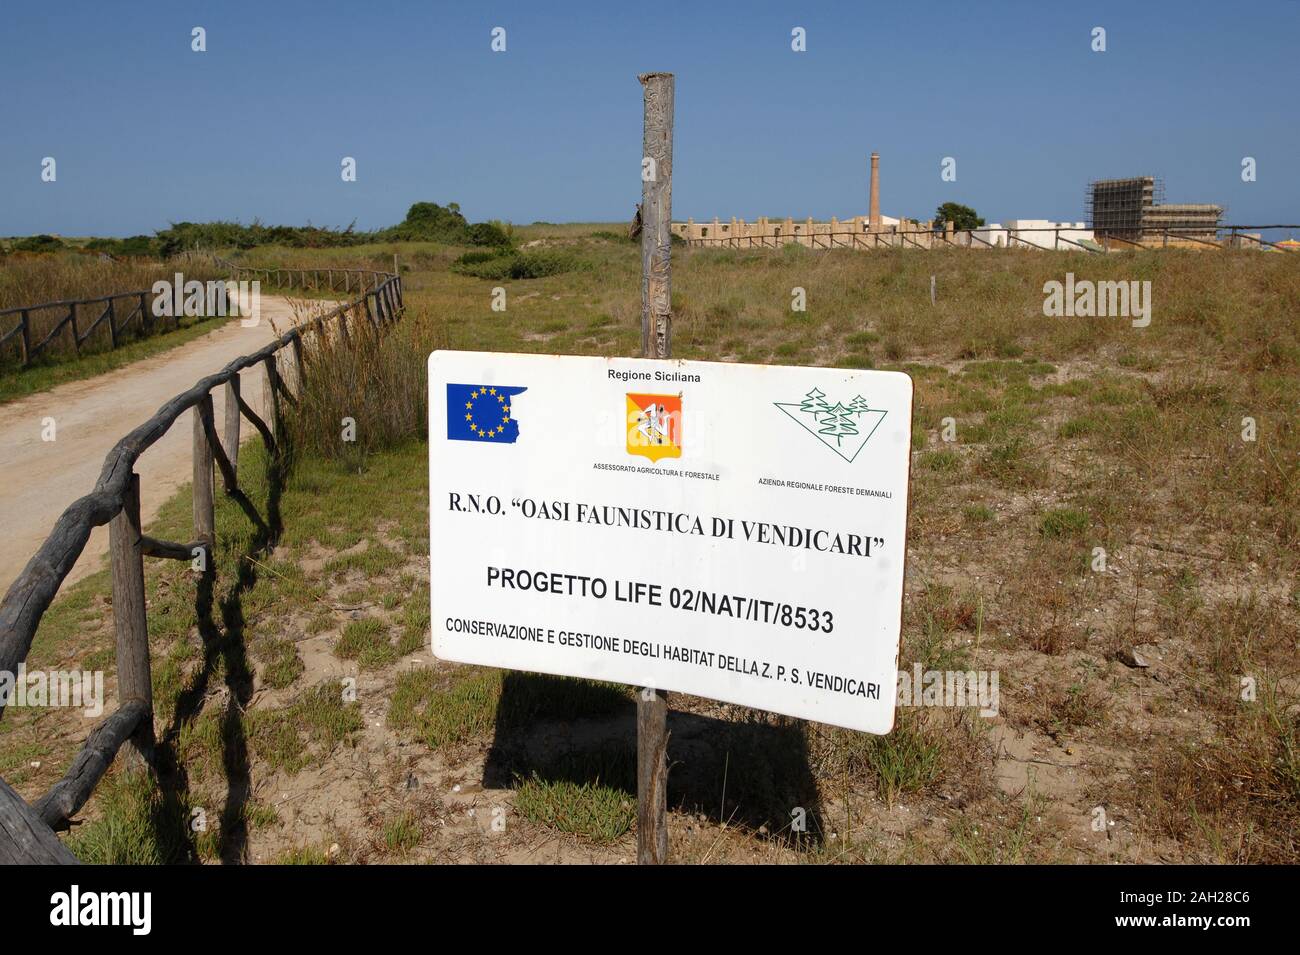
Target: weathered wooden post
column 27, row 338
column 656, row 215
column 370, row 316
column 656, row 342
column 299, row 369
column 205, row 520
column 271, row 398
column 129, row 621
column 232, row 422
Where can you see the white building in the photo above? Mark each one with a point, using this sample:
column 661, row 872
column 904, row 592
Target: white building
column 1043, row 232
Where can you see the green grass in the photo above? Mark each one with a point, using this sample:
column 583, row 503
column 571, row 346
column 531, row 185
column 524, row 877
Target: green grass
column 943, row 460
column 591, row 810
column 445, row 712
column 905, row 761
column 402, row 833
column 306, row 731
column 281, row 665
column 367, row 642
column 134, row 827
column 1063, row 523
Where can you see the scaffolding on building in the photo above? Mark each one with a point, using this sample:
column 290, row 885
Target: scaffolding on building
column 1134, row 210
column 1117, row 207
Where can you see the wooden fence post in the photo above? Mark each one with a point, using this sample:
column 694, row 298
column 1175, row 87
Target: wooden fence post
column 129, row 621
column 27, row 339
column 299, row 368
column 25, row 839
column 271, row 399
column 232, row 422
column 656, row 342
column 205, row 520
column 370, row 316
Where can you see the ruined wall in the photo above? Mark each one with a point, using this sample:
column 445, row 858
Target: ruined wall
column 837, row 233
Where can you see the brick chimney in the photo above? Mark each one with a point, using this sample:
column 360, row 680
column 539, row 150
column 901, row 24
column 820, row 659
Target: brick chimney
column 875, row 192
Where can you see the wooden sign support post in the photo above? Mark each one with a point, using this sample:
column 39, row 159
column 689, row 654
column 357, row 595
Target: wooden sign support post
column 656, row 342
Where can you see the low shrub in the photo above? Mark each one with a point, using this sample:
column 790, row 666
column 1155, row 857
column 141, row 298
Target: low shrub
column 509, row 264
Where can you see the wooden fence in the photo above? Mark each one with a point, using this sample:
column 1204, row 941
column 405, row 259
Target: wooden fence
column 27, row 831
column 134, row 307
column 119, row 311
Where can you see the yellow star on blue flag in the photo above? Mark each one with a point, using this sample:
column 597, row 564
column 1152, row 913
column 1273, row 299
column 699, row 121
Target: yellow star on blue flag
column 482, row 413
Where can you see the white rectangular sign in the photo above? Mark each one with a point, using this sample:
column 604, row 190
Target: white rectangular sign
column 732, row 531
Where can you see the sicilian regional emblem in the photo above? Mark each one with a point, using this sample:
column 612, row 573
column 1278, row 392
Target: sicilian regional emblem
column 654, row 426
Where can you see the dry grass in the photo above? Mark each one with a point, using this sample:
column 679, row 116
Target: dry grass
column 1121, row 671
column 36, row 279
column 30, row 279
column 364, row 392
column 1073, row 437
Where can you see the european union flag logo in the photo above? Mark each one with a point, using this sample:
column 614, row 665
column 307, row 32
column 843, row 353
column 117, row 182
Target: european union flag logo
column 482, row 413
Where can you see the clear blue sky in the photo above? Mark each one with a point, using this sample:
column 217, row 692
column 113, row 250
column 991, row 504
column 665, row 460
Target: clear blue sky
column 146, row 132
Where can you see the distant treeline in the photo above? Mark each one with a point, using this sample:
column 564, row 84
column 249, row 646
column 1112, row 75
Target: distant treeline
column 425, row 222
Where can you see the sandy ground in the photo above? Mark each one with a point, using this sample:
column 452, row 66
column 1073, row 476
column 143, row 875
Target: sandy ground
column 38, row 478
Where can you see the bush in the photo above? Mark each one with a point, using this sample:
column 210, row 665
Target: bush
column 38, row 243
column 507, row 264
column 488, row 233
column 137, row 246
column 430, row 222
column 477, row 258
column 182, row 236
column 424, row 222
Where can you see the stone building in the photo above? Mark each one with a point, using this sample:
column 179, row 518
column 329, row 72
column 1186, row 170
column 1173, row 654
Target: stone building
column 860, row 231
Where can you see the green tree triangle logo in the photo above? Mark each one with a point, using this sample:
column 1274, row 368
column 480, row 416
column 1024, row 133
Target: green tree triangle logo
column 845, row 429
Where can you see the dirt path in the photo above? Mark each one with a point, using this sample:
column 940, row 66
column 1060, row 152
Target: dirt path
column 38, row 478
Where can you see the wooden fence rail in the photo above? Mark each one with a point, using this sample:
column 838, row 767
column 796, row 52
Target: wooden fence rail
column 118, row 320
column 137, row 307
column 26, row 832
